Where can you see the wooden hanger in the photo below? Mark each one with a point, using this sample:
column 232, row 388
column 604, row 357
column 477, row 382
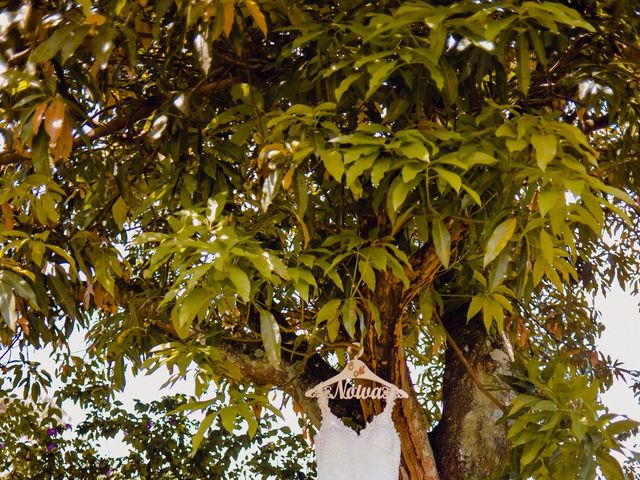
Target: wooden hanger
column 355, row 369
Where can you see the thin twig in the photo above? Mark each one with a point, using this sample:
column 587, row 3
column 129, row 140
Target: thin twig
column 13, row 343
column 472, row 373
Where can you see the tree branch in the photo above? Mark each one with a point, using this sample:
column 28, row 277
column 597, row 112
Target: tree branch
column 472, row 373
column 294, row 377
column 146, row 107
column 425, row 264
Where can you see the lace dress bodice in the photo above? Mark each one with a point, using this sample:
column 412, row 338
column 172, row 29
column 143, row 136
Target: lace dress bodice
column 343, row 454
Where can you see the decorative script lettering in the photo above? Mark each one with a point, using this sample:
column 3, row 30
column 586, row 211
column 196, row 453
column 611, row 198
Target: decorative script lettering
column 345, row 390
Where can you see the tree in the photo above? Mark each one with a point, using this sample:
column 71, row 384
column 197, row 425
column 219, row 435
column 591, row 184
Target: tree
column 242, row 189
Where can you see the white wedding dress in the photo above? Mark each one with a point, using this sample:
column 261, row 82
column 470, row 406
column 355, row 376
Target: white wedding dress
column 343, row 454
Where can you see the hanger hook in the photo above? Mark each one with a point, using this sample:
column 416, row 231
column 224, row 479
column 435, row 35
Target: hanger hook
column 360, row 350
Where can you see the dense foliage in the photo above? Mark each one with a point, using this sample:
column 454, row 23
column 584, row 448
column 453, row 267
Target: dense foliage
column 239, row 190
column 38, row 443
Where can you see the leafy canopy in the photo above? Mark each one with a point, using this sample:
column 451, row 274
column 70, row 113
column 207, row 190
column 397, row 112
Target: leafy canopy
column 227, row 187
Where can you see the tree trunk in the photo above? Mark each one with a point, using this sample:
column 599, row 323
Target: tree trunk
column 468, row 443
column 387, row 359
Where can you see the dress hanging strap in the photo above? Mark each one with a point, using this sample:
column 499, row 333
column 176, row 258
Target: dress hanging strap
column 390, row 397
column 323, row 403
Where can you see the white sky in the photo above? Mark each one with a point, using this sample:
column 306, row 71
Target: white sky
column 621, row 317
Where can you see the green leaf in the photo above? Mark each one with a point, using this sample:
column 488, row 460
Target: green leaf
column 523, row 68
column 506, row 130
column 349, row 316
column 399, row 192
column 426, row 306
column 479, row 158
column 498, row 240
column 8, row 305
column 451, row 178
column 241, row 281
column 411, row 170
column 531, row 451
column 228, row 418
column 492, row 310
column 120, row 209
column 561, row 14
column 380, row 71
column 546, row 245
column 19, row 286
column 472, row 194
column 367, row 274
column 48, row 49
column 546, row 147
column 270, row 332
column 302, row 192
column 548, row 199
column 73, row 41
column 345, row 84
column 380, row 167
column 204, row 426
column 332, row 160
column 40, row 153
column 450, row 83
column 442, row 241
column 416, row 150
column 610, row 466
column 578, row 425
column 333, row 327
column 475, row 306
column 622, row 426
column 189, row 308
column 328, row 311
column 378, row 258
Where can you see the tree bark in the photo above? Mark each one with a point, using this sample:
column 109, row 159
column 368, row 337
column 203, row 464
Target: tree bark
column 468, row 441
column 387, row 359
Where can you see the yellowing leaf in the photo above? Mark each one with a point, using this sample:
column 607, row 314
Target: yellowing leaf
column 288, row 178
column 257, row 15
column 548, row 199
column 95, row 19
column 54, row 119
column 498, row 240
column 546, row 245
column 64, row 144
column 546, row 147
column 119, row 211
column 227, row 10
column 332, row 160
column 38, row 116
